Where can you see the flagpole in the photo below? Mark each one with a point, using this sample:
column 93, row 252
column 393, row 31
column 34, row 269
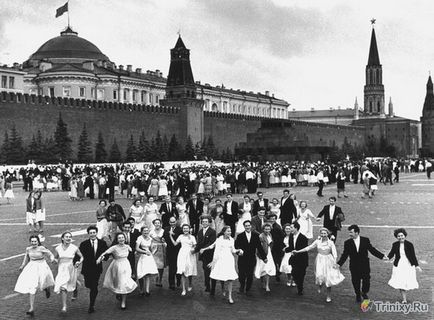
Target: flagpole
column 68, row 12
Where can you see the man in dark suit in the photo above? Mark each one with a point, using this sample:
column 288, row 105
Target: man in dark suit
column 260, row 202
column 357, row 249
column 167, row 210
column 206, row 237
column 331, row 219
column 299, row 261
column 230, row 213
column 172, row 251
column 131, row 239
column 248, row 241
column 288, row 211
column 91, row 250
column 277, row 248
column 258, row 220
column 195, row 210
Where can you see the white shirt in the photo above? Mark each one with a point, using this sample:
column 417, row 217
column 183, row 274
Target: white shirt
column 295, row 238
column 204, row 230
column 169, row 207
column 357, row 243
column 248, row 236
column 332, row 211
column 284, row 200
column 94, row 244
column 320, row 176
column 249, row 175
column 229, row 207
column 261, row 203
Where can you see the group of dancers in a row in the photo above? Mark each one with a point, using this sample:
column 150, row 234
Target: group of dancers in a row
column 143, row 255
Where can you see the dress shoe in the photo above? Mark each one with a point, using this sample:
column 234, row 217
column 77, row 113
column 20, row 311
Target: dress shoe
column 118, row 297
column 328, row 299
column 231, row 301
column 147, row 294
column 123, row 308
column 31, row 313
column 159, row 285
column 358, row 298
column 91, row 310
column 212, row 293
column 207, row 290
column 365, row 296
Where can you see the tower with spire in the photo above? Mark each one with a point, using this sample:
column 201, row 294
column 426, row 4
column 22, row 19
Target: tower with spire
column 374, row 89
column 427, row 120
column 181, row 93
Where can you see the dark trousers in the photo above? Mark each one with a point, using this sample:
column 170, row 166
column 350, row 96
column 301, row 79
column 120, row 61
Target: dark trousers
column 206, row 273
column 91, row 282
column 320, row 187
column 365, row 279
column 172, row 271
column 277, row 257
column 245, row 274
column 298, row 274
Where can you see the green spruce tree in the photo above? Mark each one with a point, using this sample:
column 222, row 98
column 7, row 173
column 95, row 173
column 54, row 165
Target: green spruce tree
column 16, row 148
column 100, row 152
column 5, row 149
column 115, row 153
column 189, row 149
column 62, row 141
column 143, row 148
column 84, row 153
column 131, row 150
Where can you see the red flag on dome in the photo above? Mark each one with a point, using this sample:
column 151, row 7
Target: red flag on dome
column 62, row 10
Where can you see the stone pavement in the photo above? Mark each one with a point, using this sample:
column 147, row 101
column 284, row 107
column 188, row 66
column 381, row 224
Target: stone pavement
column 409, row 203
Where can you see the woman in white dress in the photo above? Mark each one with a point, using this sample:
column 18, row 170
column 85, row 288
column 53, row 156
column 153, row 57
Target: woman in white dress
column 265, row 269
column 304, row 216
column 181, row 206
column 405, row 264
column 9, row 193
column 325, row 271
column 146, row 266
column 101, row 220
column 223, row 263
column 162, row 188
column 153, row 187
column 159, row 249
column 245, row 209
column 118, row 275
column 73, row 187
column 36, row 274
column 150, row 213
column 274, row 208
column 220, row 183
column 137, row 212
column 285, row 267
column 187, row 261
column 67, row 272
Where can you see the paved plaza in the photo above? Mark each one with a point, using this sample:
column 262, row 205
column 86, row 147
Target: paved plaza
column 408, row 204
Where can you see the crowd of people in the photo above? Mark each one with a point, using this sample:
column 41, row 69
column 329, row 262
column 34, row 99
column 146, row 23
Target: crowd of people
column 257, row 238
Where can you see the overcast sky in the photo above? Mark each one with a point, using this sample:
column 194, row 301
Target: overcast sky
column 312, row 53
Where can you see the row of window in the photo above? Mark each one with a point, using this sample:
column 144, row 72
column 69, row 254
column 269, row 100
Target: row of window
column 4, row 82
column 275, row 112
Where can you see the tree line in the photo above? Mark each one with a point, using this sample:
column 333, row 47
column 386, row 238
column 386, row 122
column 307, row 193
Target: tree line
column 59, row 148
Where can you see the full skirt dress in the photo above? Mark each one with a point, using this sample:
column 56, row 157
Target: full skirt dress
column 404, row 275
column 36, row 275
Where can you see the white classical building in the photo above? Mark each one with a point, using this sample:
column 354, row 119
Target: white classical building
column 70, row 66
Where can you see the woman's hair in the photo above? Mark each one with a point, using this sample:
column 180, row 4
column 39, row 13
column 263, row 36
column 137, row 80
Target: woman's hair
column 63, row 235
column 30, row 195
column 266, row 225
column 324, row 229
column 286, row 225
column 134, row 201
column 35, row 237
column 38, row 194
column 303, row 201
column 185, row 225
column 398, row 231
column 143, row 228
column 155, row 220
column 105, row 202
column 222, row 232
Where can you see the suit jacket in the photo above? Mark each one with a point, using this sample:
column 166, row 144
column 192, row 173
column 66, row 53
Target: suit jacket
column 132, row 243
column 257, row 224
column 359, row 261
column 204, row 241
column 250, row 249
column 89, row 267
column 330, row 223
column 171, row 250
column 230, row 219
column 288, row 211
column 256, row 206
column 194, row 211
column 166, row 214
column 299, row 260
column 409, row 252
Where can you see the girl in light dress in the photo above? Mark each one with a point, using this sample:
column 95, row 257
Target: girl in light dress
column 36, row 274
column 274, row 208
column 304, row 216
column 245, row 209
column 285, row 267
column 220, row 183
column 39, row 210
column 325, row 271
column 162, row 188
column 137, row 212
column 264, row 270
column 66, row 279
column 150, row 213
column 153, row 187
column 187, row 261
column 223, row 263
column 146, row 266
column 101, row 220
column 405, row 264
column 73, row 188
column 181, row 206
column 159, row 251
column 118, row 275
column 9, row 193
